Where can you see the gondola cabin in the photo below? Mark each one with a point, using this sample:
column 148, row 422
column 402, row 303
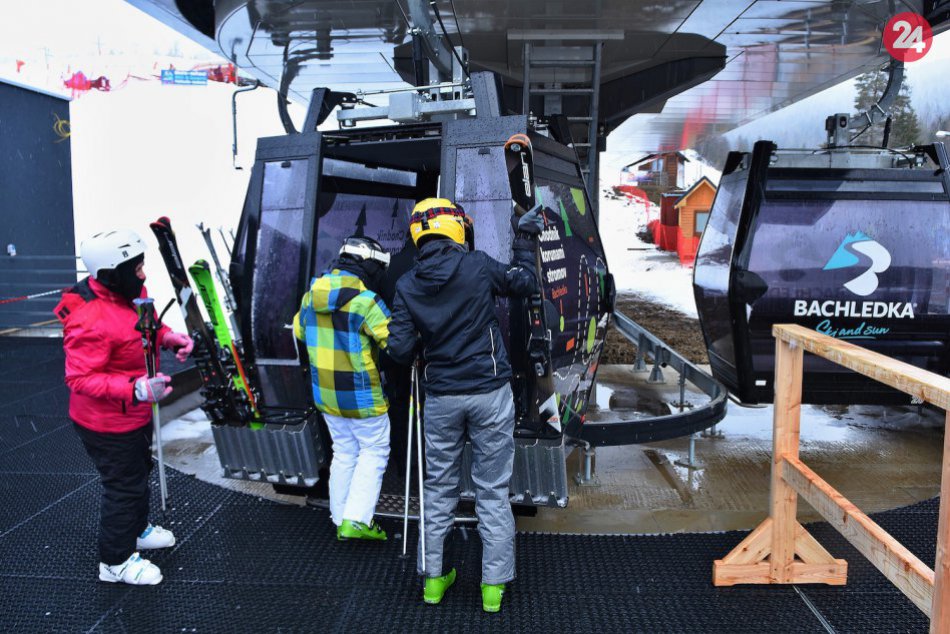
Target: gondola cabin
column 852, row 242
column 311, row 190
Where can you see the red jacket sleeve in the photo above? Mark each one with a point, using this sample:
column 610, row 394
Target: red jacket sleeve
column 164, row 330
column 88, row 352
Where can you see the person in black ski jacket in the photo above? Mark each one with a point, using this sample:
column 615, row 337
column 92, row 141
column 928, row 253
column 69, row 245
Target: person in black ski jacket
column 444, row 307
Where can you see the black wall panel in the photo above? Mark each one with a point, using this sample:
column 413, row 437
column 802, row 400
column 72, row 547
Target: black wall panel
column 36, row 202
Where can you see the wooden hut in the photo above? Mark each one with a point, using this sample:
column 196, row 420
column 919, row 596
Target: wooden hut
column 693, row 207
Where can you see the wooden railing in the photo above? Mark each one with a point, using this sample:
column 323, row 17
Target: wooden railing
column 780, row 550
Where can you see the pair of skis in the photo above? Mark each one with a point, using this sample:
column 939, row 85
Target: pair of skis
column 541, row 415
column 230, row 355
column 228, row 395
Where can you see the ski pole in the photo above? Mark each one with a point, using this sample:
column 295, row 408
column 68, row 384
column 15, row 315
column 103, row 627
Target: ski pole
column 422, row 507
column 409, row 421
column 162, row 484
column 148, row 326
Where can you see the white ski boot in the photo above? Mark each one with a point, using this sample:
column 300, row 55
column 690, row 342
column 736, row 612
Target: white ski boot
column 133, row 571
column 155, row 537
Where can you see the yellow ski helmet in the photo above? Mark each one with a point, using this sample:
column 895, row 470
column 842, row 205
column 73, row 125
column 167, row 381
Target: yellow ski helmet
column 437, row 217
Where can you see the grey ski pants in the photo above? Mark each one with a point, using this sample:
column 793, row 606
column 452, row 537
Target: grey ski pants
column 489, row 421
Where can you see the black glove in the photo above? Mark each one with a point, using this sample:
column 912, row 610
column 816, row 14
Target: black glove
column 532, row 223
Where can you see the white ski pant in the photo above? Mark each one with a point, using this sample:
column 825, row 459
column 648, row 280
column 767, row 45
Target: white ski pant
column 489, row 422
column 360, row 454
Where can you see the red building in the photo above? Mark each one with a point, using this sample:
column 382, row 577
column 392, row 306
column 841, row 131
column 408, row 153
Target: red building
column 683, row 217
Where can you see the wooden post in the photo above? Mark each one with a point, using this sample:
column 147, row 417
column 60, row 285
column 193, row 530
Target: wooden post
column 783, row 499
column 780, row 550
column 940, row 608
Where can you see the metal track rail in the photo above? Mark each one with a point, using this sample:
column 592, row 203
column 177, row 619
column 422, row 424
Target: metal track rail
column 674, row 425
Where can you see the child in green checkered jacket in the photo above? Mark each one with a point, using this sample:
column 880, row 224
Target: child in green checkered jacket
column 344, row 324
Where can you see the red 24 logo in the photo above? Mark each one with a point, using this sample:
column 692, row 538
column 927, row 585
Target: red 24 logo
column 907, row 36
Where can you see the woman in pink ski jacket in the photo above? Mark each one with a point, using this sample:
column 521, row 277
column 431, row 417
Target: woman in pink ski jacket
column 111, row 395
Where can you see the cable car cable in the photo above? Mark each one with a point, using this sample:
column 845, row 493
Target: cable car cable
column 404, row 16
column 455, row 15
column 438, row 17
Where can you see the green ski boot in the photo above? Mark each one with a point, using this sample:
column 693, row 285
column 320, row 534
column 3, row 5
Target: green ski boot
column 491, row 596
column 350, row 529
column 436, row 587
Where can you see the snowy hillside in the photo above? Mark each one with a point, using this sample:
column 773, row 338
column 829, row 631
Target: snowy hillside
column 639, row 267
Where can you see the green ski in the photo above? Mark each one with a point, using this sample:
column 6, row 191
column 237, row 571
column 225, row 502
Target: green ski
column 204, row 282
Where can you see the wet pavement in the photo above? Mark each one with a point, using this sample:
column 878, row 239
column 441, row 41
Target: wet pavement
column 878, row 457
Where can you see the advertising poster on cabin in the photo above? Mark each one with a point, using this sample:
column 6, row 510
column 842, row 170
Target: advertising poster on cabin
column 573, row 271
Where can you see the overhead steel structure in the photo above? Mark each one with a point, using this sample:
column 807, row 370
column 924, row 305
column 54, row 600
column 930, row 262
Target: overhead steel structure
column 696, row 68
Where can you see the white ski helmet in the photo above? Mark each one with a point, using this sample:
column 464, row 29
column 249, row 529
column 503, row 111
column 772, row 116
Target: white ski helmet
column 109, row 249
column 365, row 249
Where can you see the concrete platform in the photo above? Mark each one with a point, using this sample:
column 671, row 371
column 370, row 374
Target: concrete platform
column 880, row 458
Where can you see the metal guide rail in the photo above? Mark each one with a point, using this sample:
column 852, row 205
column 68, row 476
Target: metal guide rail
column 656, row 428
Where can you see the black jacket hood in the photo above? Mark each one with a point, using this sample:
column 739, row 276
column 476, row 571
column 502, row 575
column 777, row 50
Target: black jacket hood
column 447, row 303
column 437, row 263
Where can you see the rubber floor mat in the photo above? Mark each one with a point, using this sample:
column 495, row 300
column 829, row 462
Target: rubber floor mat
column 243, row 564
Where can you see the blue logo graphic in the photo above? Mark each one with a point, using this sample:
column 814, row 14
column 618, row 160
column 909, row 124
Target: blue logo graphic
column 843, row 258
column 846, row 256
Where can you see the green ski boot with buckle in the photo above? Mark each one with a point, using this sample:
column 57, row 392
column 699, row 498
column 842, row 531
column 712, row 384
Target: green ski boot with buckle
column 491, row 596
column 436, row 587
column 350, row 529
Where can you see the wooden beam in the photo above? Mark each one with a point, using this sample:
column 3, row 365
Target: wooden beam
column 780, row 537
column 834, row 574
column 754, row 548
column 785, row 436
column 902, row 567
column 733, row 574
column 940, row 610
column 909, row 379
column 780, row 550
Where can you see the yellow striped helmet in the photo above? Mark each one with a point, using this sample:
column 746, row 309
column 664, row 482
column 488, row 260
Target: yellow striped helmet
column 437, row 217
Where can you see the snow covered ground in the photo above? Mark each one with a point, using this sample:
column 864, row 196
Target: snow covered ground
column 639, row 267
column 192, row 425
